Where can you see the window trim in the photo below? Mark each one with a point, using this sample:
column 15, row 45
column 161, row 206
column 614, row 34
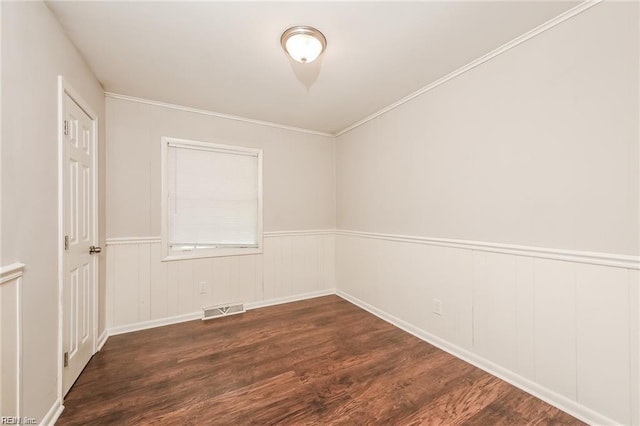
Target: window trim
column 166, row 252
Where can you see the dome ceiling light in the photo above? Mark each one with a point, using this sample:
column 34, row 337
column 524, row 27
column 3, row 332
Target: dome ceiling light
column 304, row 44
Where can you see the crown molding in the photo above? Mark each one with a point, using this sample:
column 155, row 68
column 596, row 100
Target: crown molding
column 214, row 114
column 481, row 60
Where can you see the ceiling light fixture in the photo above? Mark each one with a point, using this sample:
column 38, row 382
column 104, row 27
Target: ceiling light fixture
column 304, row 44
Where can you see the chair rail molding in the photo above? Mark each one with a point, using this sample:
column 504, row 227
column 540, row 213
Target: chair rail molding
column 594, row 258
column 11, row 272
column 114, row 241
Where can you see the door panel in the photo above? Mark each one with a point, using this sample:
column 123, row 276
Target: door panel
column 79, row 227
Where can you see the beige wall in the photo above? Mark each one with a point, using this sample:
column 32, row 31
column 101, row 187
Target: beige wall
column 299, row 177
column 34, row 52
column 538, row 146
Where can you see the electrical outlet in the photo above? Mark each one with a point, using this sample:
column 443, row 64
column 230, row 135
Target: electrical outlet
column 437, row 307
column 203, row 287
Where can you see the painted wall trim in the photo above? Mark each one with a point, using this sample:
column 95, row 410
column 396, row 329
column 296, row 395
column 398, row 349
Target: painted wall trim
column 565, row 404
column 116, row 241
column 289, row 299
column 603, row 259
column 120, row 241
column 302, row 233
column 53, row 414
column 471, row 65
column 593, row 258
column 11, row 272
column 144, row 325
column 102, row 340
column 214, row 114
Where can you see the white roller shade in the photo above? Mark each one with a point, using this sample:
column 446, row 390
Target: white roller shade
column 212, row 197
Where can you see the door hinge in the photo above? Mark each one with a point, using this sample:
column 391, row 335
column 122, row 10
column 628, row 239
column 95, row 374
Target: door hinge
column 65, row 125
column 66, row 359
column 66, row 242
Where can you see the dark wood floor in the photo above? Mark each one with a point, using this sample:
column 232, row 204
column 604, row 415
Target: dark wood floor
column 320, row 361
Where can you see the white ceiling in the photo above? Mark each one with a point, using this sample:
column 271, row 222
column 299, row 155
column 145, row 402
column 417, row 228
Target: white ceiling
column 226, row 56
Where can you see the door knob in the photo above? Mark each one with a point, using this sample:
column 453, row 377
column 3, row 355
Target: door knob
column 94, row 250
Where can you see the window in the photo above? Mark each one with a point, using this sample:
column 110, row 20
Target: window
column 211, row 199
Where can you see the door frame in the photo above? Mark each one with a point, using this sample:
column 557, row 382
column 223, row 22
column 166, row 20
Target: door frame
column 64, row 88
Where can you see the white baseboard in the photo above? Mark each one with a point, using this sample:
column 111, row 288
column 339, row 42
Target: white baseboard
column 102, row 340
column 563, row 403
column 289, row 299
column 53, row 414
column 144, row 325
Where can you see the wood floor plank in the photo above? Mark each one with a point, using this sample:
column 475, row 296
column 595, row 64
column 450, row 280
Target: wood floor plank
column 319, row 361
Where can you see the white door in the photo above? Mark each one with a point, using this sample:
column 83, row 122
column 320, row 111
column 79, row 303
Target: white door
column 79, row 265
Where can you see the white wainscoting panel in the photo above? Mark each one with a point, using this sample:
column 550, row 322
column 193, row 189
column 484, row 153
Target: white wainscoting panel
column 143, row 289
column 562, row 326
column 555, row 326
column 603, row 324
column 11, row 338
column 495, row 334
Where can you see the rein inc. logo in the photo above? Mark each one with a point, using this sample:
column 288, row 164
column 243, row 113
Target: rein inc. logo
column 12, row 420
